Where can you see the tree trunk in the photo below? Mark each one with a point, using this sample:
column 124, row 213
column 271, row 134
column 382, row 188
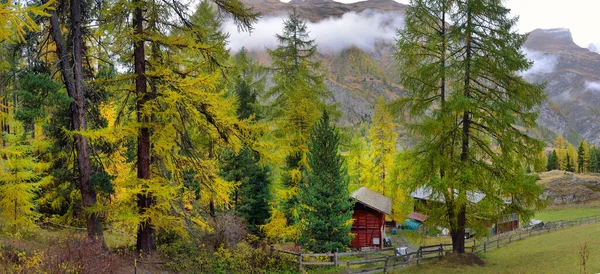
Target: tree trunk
column 146, row 240
column 73, row 80
column 458, row 231
column 458, row 236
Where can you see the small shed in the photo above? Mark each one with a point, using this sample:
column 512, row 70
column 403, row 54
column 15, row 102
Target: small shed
column 368, row 219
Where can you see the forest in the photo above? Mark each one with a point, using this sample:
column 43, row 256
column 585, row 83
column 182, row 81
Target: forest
column 130, row 126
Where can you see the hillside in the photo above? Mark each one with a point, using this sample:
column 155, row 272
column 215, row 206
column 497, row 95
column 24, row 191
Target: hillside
column 562, row 187
column 572, row 85
column 572, row 73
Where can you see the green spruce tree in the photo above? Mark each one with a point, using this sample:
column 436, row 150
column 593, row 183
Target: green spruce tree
column 552, row 161
column 325, row 208
column 299, row 95
column 252, row 195
column 580, row 158
column 569, row 166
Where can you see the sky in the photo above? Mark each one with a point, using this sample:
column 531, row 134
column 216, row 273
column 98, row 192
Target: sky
column 581, row 17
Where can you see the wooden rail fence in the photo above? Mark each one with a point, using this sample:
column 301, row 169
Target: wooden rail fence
column 387, row 260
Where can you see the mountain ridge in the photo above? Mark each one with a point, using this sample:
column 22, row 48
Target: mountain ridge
column 572, row 73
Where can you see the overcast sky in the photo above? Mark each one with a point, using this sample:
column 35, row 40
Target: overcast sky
column 582, row 17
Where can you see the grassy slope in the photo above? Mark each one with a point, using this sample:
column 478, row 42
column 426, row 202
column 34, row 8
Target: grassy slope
column 556, row 252
column 568, row 213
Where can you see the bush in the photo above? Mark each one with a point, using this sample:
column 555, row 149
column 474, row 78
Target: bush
column 192, row 257
column 79, row 255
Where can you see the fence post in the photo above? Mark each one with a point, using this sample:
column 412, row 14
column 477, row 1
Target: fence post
column 385, row 266
column 335, row 259
column 509, row 238
column 441, row 251
column 347, row 267
column 485, row 246
column 300, row 262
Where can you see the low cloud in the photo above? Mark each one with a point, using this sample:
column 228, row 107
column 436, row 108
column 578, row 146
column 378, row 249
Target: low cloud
column 362, row 29
column 593, row 86
column 542, row 63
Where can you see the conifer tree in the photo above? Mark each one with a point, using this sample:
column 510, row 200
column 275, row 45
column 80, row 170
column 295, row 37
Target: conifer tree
column 299, row 93
column 572, row 160
column 467, row 138
column 552, row 161
column 569, row 166
column 325, row 208
column 382, row 138
column 181, row 114
column 73, row 78
column 560, row 145
column 580, row 158
column 252, row 195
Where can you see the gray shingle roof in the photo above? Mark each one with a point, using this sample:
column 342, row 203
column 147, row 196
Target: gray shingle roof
column 373, row 200
column 426, row 193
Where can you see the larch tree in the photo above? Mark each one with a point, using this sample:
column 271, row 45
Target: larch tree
column 469, row 142
column 560, row 145
column 572, row 159
column 181, row 114
column 325, row 210
column 382, row 136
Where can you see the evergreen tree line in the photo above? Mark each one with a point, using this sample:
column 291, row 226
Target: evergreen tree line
column 564, row 156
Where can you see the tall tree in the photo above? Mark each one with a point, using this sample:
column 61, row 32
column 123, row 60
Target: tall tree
column 253, row 194
column 552, row 161
column 325, row 209
column 572, row 159
column 73, row 78
column 178, row 65
column 299, row 94
column 383, row 142
column 560, row 145
column 580, row 158
column 476, row 145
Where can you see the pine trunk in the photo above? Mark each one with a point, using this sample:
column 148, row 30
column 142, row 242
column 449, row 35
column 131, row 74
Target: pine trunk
column 73, row 80
column 146, row 240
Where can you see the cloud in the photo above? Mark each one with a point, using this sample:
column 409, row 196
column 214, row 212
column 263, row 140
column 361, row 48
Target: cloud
column 593, row 86
column 542, row 63
column 332, row 35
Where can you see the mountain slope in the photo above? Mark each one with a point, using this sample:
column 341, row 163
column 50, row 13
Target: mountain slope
column 573, row 85
column 358, row 76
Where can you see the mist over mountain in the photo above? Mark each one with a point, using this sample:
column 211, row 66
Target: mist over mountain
column 357, row 45
column 332, row 34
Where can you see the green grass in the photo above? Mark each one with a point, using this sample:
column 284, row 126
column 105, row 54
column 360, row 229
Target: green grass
column 566, row 213
column 555, row 252
column 416, row 240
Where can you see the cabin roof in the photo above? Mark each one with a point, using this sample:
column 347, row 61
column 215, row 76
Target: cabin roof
column 426, row 193
column 373, row 200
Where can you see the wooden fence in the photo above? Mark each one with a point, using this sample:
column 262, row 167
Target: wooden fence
column 382, row 260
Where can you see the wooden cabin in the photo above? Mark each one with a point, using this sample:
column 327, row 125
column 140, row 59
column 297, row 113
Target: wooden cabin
column 368, row 219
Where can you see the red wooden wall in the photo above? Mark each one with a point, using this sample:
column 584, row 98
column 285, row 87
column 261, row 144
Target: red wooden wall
column 367, row 224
